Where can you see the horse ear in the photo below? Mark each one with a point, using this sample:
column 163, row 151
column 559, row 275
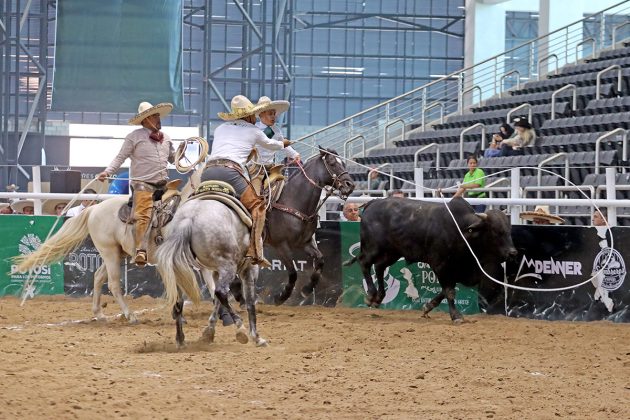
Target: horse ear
column 322, row 151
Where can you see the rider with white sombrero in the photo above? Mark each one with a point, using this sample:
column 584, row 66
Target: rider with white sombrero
column 232, row 147
column 150, row 151
column 268, row 125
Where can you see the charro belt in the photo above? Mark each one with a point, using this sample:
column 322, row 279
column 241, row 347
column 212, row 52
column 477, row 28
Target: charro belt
column 226, row 163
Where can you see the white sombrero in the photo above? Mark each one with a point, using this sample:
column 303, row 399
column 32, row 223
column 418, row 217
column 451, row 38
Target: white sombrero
column 4, row 205
column 541, row 212
column 49, row 206
column 18, row 206
column 268, row 104
column 241, row 108
column 145, row 109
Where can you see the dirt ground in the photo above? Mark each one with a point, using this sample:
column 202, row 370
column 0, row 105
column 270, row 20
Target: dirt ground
column 321, row 363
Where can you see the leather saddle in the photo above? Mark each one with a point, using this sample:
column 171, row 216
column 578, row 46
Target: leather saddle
column 165, row 203
column 224, row 193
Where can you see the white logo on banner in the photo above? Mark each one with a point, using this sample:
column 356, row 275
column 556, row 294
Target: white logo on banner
column 615, row 272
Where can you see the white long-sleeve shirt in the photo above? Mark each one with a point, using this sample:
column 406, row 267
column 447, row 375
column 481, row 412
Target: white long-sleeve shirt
column 266, row 156
column 234, row 140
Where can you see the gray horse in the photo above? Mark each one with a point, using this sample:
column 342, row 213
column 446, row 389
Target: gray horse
column 208, row 235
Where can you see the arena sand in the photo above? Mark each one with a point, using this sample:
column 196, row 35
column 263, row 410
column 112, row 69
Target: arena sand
column 321, row 363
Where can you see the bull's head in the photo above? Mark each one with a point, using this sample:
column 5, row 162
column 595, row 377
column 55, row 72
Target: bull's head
column 494, row 232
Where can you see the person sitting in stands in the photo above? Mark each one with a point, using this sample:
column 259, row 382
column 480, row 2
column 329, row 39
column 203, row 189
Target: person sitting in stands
column 5, row 208
column 494, row 150
column 599, row 217
column 525, row 136
column 23, row 207
column 75, row 211
column 350, row 213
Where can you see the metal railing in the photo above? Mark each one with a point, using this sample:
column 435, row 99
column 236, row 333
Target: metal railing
column 561, row 155
column 598, row 83
column 556, row 92
column 615, row 132
column 466, row 130
column 422, row 149
column 348, row 142
column 518, row 108
column 505, row 76
column 484, row 77
column 390, row 124
column 426, row 108
column 589, row 39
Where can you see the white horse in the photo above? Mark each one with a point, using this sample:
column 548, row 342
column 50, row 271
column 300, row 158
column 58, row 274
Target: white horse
column 112, row 238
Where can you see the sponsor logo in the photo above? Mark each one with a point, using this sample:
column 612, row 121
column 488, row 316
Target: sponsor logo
column 29, row 243
column 551, row 266
column 614, row 273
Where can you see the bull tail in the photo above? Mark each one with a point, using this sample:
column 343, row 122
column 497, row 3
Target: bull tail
column 67, row 239
column 176, row 264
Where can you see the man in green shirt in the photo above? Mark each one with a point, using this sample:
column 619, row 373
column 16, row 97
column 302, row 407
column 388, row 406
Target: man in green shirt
column 474, row 178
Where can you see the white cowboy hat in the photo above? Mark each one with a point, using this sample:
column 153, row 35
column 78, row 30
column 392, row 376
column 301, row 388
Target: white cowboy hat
column 241, row 108
column 4, row 205
column 48, row 207
column 279, row 106
column 145, row 109
column 18, row 206
column 541, row 212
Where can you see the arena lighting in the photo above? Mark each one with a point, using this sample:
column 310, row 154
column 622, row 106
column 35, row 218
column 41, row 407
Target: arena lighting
column 97, row 144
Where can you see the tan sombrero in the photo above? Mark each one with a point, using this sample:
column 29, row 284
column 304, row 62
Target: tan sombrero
column 49, row 206
column 4, row 205
column 541, row 212
column 241, row 108
column 145, row 109
column 279, row 106
column 18, row 206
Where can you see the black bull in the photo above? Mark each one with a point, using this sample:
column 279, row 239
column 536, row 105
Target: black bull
column 420, row 231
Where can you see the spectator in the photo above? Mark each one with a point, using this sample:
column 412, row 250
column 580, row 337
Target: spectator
column 5, row 208
column 350, row 213
column 54, row 207
column 600, row 217
column 396, row 193
column 75, row 211
column 525, row 136
column 374, row 181
column 474, row 178
column 541, row 216
column 23, row 207
column 505, row 131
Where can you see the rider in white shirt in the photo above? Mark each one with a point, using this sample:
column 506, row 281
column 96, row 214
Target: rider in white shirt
column 268, row 125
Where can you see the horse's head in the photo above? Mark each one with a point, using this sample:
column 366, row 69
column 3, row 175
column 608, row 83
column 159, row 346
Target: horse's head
column 336, row 174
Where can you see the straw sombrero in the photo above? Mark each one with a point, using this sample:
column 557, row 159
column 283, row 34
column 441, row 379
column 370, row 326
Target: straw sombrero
column 18, row 206
column 241, row 108
column 145, row 109
column 4, row 205
column 279, row 106
column 49, row 206
column 541, row 212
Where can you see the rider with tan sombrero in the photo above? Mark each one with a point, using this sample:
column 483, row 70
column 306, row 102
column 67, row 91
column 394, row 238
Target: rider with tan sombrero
column 541, row 216
column 232, row 147
column 268, row 125
column 150, row 151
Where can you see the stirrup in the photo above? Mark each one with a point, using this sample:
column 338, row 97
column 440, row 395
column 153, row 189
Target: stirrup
column 141, row 258
column 263, row 263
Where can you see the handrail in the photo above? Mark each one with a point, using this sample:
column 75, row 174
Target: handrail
column 598, row 83
column 614, row 31
column 391, row 173
column 551, row 159
column 463, row 95
column 492, row 189
column 391, row 123
column 347, row 143
column 505, row 76
column 422, row 149
column 513, row 110
column 431, row 106
column 465, row 130
column 603, row 137
column 584, row 41
column 556, row 92
column 542, row 60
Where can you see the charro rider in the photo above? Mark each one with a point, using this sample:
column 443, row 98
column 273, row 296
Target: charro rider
column 150, row 150
column 268, row 125
column 232, row 147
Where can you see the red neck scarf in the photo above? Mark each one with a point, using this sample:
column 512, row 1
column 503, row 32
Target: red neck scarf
column 157, row 136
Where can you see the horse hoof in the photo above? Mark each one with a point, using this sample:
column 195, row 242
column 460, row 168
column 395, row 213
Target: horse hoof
column 132, row 319
column 261, row 342
column 208, row 335
column 181, row 345
column 426, row 315
column 458, row 321
column 306, row 291
column 241, row 335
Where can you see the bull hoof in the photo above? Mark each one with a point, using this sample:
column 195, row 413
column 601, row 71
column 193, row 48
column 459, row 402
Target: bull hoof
column 426, row 315
column 458, row 321
column 241, row 335
column 306, row 291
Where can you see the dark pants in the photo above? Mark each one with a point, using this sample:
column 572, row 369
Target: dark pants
column 225, row 174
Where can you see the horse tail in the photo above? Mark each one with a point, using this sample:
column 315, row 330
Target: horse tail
column 176, row 264
column 67, row 239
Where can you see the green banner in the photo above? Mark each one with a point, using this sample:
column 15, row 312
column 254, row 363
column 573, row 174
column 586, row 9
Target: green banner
column 22, row 235
column 407, row 286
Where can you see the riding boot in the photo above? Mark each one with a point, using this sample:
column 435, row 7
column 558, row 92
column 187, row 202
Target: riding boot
column 143, row 206
column 256, row 206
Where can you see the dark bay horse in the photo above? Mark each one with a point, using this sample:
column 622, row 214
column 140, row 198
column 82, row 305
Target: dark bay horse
column 292, row 220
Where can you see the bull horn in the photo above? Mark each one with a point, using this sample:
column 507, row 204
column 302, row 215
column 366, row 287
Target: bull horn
column 483, row 216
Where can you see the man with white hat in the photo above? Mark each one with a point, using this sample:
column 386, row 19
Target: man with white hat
column 233, row 143
column 150, row 151
column 268, row 125
column 23, row 207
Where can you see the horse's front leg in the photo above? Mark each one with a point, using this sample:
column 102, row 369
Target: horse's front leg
column 284, row 252
column 318, row 265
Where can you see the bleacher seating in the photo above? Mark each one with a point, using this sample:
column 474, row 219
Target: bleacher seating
column 574, row 132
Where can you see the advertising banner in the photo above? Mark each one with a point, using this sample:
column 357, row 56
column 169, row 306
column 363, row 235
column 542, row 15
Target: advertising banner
column 22, row 235
column 407, row 286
